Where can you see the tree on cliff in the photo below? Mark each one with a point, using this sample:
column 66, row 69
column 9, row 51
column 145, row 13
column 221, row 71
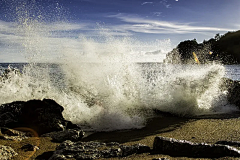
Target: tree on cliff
column 186, row 48
column 225, row 49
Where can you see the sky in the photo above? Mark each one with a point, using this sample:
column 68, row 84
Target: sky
column 39, row 27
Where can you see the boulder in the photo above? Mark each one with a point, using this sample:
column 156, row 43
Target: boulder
column 134, row 149
column 6, row 118
column 183, row 148
column 11, row 134
column 43, row 116
column 95, row 150
column 233, row 89
column 6, row 152
column 69, row 134
column 29, row 147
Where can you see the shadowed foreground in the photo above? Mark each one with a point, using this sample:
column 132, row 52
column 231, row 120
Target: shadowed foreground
column 208, row 129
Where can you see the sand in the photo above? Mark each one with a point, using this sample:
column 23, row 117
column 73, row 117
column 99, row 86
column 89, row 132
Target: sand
column 208, row 129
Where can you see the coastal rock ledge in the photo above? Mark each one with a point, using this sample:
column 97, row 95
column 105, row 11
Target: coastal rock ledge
column 183, row 148
column 95, row 150
column 41, row 116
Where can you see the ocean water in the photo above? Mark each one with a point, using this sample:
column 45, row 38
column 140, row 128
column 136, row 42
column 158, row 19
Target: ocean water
column 113, row 96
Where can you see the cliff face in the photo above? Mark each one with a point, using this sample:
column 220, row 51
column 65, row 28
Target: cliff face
column 224, row 49
column 230, row 45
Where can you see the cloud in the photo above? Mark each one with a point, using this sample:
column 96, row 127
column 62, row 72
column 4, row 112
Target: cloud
column 142, row 25
column 165, row 3
column 157, row 13
column 144, row 3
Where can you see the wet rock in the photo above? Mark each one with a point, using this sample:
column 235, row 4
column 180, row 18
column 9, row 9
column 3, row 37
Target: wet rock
column 6, row 118
column 69, row 134
column 43, row 116
column 182, row 148
column 137, row 148
column 95, row 150
column 45, row 155
column 57, row 157
column 29, row 147
column 11, row 134
column 160, row 159
column 6, row 152
column 12, row 138
column 233, row 89
column 229, row 143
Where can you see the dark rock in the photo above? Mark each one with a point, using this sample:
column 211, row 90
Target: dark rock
column 182, row 148
column 11, row 134
column 94, row 150
column 69, row 134
column 57, row 157
column 137, row 148
column 43, row 116
column 6, row 152
column 12, row 138
column 6, row 118
column 29, row 147
column 233, row 89
column 229, row 143
column 45, row 155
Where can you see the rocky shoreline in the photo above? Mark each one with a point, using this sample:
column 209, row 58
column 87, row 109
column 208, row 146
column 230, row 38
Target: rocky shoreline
column 22, row 123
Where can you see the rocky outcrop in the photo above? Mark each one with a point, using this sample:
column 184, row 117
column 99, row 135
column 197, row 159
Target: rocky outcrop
column 95, row 150
column 6, row 152
column 11, row 134
column 29, row 147
column 69, row 134
column 182, row 148
column 43, row 116
column 233, row 89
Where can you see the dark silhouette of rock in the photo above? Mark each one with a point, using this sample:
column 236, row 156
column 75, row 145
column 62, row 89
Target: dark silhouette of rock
column 29, row 147
column 43, row 116
column 45, row 155
column 6, row 152
column 233, row 88
column 6, row 118
column 137, row 148
column 183, row 148
column 69, row 134
column 94, row 150
column 222, row 48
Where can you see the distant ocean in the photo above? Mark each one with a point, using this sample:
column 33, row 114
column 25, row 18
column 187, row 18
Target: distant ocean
column 231, row 71
column 112, row 96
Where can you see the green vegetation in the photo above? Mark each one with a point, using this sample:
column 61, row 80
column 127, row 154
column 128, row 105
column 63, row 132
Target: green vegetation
column 222, row 48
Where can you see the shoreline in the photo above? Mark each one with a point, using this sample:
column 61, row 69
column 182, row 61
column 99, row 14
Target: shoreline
column 207, row 129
